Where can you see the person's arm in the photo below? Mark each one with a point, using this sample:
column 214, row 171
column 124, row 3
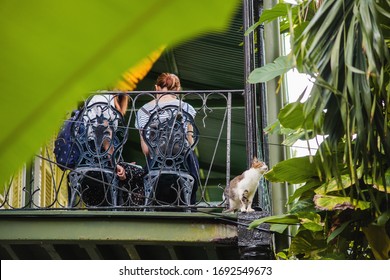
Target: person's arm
column 121, row 172
column 121, row 103
column 144, row 147
column 190, row 128
column 142, row 114
column 190, row 134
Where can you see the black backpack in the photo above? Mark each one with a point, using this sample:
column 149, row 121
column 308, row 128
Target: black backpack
column 66, row 150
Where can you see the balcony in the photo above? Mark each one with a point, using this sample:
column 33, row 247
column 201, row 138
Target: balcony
column 40, row 223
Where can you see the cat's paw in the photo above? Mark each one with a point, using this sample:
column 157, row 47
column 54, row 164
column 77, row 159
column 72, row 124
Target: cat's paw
column 250, row 210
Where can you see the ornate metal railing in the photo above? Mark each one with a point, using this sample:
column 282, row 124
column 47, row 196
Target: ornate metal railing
column 42, row 185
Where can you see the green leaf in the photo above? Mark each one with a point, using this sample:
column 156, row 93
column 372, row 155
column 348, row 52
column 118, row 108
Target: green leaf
column 291, row 138
column 280, row 66
column 312, row 226
column 337, row 231
column 303, row 205
column 383, row 219
column 295, row 171
column 379, row 241
column 380, row 186
column 53, row 53
column 278, row 228
column 298, row 30
column 287, row 219
column 282, row 255
column 328, row 202
column 307, row 242
column 333, row 185
column 279, row 10
column 273, row 128
column 292, row 116
column 311, row 221
column 310, row 184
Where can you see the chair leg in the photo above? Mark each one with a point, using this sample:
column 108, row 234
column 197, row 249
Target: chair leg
column 71, row 197
column 120, row 200
column 114, row 191
column 186, row 190
column 74, row 187
column 148, row 189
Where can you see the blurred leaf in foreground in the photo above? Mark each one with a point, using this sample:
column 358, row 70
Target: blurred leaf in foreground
column 55, row 52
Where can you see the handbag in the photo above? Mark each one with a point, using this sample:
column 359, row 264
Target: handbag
column 134, row 184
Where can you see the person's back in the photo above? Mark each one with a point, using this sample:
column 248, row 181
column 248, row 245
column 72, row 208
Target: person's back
column 100, row 136
column 168, row 83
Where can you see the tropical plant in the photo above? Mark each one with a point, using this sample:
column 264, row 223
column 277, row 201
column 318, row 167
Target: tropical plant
column 341, row 206
column 55, row 52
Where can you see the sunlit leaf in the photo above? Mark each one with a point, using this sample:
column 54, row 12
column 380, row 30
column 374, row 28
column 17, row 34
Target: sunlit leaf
column 334, row 185
column 280, row 219
column 55, row 52
column 280, row 66
column 292, row 116
column 311, row 221
column 294, row 170
column 282, row 255
column 134, row 75
column 279, row 10
column 310, row 225
column 380, row 186
column 329, row 202
column 310, row 185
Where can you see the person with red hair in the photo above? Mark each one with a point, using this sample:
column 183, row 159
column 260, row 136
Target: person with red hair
column 167, row 85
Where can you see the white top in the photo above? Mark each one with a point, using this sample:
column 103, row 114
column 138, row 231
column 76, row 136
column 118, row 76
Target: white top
column 108, row 112
column 142, row 117
column 106, row 98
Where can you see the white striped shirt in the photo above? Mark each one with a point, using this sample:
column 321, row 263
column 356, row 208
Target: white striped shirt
column 142, row 117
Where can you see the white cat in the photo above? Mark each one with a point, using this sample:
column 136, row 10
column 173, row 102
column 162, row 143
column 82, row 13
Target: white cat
column 243, row 187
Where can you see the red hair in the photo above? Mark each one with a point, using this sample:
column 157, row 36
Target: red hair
column 169, row 81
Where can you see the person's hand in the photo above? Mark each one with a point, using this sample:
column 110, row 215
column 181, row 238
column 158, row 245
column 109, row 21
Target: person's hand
column 120, row 172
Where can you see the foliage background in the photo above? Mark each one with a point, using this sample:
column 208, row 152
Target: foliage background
column 341, row 206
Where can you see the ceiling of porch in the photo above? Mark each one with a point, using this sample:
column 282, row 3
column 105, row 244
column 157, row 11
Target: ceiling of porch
column 208, row 62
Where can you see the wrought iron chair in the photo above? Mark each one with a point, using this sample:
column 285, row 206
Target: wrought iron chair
column 171, row 136
column 100, row 135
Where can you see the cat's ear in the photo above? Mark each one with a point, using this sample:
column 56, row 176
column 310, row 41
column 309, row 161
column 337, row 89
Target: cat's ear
column 255, row 158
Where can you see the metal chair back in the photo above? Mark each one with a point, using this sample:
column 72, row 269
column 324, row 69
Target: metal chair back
column 171, row 136
column 100, row 136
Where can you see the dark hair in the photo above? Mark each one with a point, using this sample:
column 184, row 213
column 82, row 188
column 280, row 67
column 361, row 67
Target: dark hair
column 168, row 80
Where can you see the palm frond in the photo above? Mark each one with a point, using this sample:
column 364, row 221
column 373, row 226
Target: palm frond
column 135, row 74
